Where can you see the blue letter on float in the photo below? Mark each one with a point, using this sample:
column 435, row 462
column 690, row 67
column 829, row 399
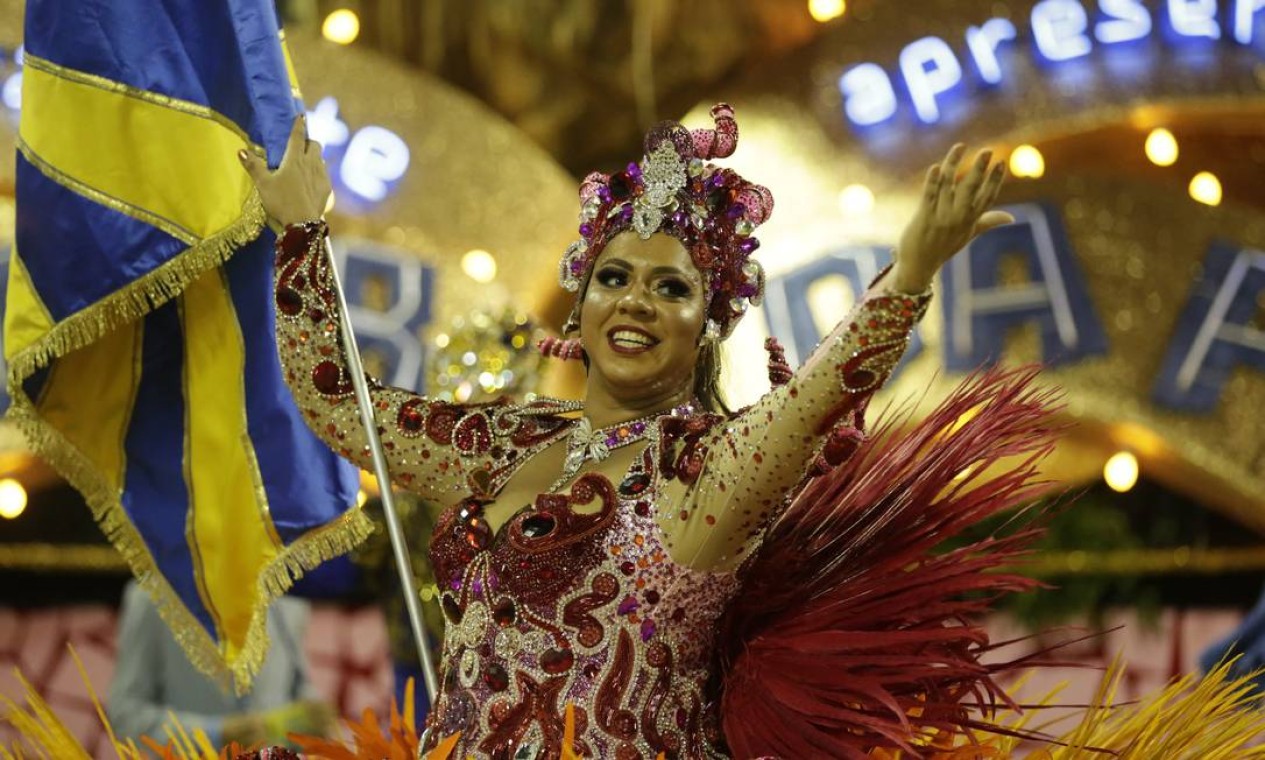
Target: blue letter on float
column 787, row 310
column 983, row 42
column 1214, row 334
column 1059, row 28
column 374, row 160
column 930, row 68
column 1126, row 20
column 1245, row 19
column 978, row 312
column 1194, row 18
column 387, row 325
column 868, row 96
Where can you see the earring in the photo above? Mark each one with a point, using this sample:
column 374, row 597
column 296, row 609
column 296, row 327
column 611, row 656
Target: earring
column 711, row 331
column 561, row 348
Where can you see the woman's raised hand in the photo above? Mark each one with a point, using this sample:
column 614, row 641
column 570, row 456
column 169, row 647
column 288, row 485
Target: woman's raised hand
column 299, row 189
column 951, row 213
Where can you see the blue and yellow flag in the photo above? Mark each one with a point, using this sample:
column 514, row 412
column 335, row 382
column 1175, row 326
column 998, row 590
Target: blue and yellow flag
column 139, row 327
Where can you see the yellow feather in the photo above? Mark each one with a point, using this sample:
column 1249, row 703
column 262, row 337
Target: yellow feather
column 44, row 733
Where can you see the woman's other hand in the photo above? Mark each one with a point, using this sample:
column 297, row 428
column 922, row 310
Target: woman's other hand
column 951, row 213
column 299, row 189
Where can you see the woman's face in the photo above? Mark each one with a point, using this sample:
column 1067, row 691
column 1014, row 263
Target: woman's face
column 642, row 316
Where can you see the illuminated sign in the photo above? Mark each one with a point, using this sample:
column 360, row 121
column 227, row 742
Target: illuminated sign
column 979, row 309
column 1059, row 30
column 1216, row 333
column 368, row 162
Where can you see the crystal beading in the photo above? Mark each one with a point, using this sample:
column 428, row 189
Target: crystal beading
column 588, row 443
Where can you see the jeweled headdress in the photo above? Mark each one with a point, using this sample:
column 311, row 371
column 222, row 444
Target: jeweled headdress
column 711, row 210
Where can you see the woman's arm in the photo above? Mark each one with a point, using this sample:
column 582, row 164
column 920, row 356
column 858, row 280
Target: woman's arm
column 422, row 451
column 754, row 463
column 422, row 439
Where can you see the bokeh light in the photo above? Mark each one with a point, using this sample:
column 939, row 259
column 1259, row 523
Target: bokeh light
column 1027, row 161
column 1206, row 188
column 12, row 498
column 856, row 201
column 341, row 26
column 826, row 10
column 1161, row 147
column 479, row 265
column 1121, row 471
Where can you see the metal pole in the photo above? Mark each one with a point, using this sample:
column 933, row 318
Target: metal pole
column 399, row 545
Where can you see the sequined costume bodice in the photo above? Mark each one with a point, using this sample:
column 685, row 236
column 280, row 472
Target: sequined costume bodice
column 583, row 609
column 604, row 597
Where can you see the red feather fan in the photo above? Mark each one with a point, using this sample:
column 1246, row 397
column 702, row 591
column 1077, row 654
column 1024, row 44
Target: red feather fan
column 850, row 632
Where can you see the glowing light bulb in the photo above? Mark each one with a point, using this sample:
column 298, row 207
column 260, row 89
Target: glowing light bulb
column 1027, row 161
column 826, row 10
column 341, row 26
column 479, row 265
column 1121, row 471
column 856, row 200
column 1206, row 188
column 12, row 498
column 1161, row 147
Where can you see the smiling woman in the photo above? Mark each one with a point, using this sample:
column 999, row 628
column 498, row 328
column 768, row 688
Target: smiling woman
column 592, row 561
column 641, row 321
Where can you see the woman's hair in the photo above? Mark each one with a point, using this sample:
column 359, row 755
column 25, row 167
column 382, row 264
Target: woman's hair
column 707, row 377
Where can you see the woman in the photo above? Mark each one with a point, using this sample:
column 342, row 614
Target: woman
column 588, row 561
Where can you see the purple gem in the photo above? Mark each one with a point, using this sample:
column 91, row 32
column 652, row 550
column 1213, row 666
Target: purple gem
column 735, row 210
column 478, row 588
column 612, row 440
column 634, row 171
column 638, row 428
column 455, row 584
column 628, row 606
column 716, row 180
column 604, row 193
column 586, row 229
column 748, row 290
column 748, row 245
column 626, row 213
column 647, row 629
column 679, row 218
column 577, row 267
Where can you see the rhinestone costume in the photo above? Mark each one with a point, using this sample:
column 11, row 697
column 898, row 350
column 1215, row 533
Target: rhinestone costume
column 612, row 610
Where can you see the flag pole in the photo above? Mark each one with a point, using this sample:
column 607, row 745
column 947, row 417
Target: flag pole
column 399, row 545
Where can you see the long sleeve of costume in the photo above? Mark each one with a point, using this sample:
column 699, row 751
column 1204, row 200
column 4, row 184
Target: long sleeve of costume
column 430, row 448
column 747, row 466
column 138, row 705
